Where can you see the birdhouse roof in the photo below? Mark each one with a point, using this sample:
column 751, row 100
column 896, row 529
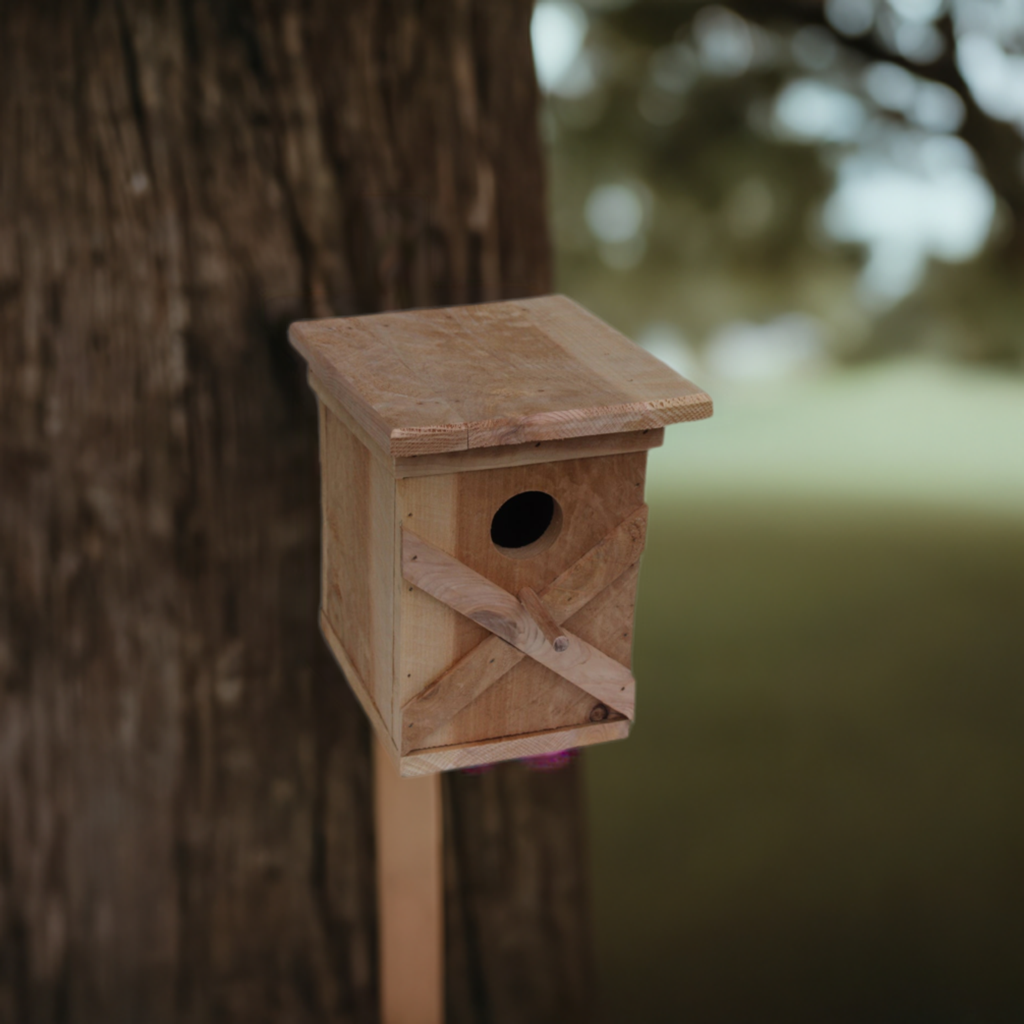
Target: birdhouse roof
column 501, row 373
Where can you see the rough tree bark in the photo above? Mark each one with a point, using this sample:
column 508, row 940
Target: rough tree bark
column 184, row 783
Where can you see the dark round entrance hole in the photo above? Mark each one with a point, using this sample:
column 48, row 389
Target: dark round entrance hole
column 526, row 524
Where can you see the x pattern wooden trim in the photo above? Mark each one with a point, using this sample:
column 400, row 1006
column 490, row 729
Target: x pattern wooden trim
column 517, row 633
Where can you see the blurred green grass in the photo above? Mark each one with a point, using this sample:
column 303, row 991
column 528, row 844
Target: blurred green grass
column 818, row 816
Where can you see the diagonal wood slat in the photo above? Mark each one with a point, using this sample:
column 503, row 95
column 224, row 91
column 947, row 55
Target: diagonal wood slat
column 480, row 668
column 485, row 603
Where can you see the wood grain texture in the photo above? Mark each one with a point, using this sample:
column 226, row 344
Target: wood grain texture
column 359, row 688
column 185, row 808
column 531, row 453
column 492, row 658
column 608, row 621
column 431, row 637
column 443, row 759
column 595, row 495
column 534, row 606
column 491, row 458
column 345, row 562
column 358, row 557
column 455, row 689
column 530, row 695
column 507, row 373
column 410, row 894
column 327, row 401
column 470, row 594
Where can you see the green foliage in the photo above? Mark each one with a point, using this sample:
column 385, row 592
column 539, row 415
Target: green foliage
column 734, row 200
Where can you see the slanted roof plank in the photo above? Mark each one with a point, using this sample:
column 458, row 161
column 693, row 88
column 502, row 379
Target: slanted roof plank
column 441, row 380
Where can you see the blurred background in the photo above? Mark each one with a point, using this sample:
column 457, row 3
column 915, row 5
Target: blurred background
column 816, row 211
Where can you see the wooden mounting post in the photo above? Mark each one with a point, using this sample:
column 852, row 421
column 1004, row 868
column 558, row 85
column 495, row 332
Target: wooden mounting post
column 410, row 893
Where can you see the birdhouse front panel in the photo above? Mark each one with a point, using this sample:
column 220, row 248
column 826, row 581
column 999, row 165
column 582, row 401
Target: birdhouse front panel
column 483, row 519
column 518, row 527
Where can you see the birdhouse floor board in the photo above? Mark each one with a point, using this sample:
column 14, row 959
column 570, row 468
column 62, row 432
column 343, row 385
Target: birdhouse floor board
column 505, row 373
column 442, row 759
column 532, row 453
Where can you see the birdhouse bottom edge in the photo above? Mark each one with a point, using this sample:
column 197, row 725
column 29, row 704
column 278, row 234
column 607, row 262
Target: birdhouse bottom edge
column 430, row 760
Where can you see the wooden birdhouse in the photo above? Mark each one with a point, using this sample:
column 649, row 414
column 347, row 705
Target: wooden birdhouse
column 482, row 475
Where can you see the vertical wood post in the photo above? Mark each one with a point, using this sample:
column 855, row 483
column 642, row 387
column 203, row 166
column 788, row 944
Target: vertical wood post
column 410, row 893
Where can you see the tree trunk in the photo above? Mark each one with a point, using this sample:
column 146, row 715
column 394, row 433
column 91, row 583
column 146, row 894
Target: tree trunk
column 184, row 778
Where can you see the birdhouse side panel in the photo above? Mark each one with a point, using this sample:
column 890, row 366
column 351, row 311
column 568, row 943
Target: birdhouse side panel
column 358, row 560
column 591, row 498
